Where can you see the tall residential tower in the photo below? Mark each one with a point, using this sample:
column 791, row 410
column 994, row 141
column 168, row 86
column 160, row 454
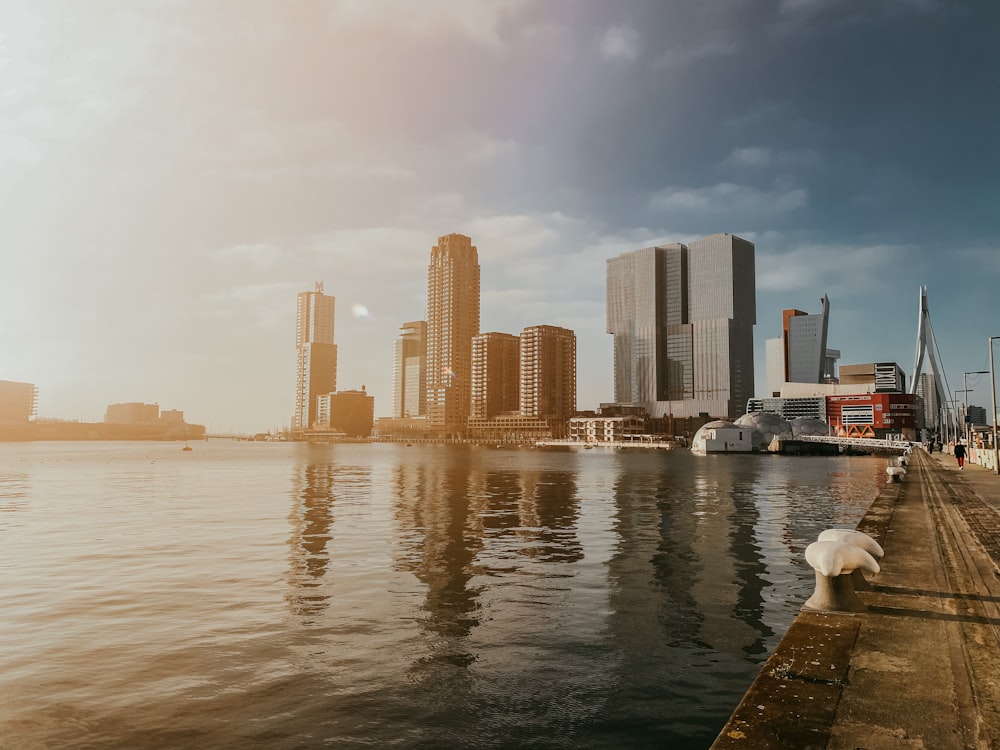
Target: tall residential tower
column 452, row 321
column 548, row 372
column 316, row 373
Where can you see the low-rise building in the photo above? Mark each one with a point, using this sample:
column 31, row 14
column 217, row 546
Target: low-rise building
column 349, row 412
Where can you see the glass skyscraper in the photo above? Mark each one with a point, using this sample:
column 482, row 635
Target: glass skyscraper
column 682, row 318
column 409, row 382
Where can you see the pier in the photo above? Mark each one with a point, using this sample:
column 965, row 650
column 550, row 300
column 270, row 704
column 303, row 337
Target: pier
column 920, row 668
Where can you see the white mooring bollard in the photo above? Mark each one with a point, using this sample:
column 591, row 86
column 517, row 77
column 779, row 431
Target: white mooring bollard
column 896, row 473
column 859, row 539
column 834, row 563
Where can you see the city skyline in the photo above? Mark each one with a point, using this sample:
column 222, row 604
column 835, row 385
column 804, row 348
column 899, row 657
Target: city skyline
column 174, row 174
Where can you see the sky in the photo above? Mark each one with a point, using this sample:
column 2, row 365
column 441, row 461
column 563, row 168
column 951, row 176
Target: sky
column 174, row 172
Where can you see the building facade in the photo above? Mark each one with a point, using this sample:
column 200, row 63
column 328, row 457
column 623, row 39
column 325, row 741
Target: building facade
column 452, row 321
column 496, row 373
column 409, row 371
column 873, row 415
column 133, row 412
column 349, row 412
column 548, row 372
column 682, row 317
column 316, row 370
column 800, row 354
column 18, row 401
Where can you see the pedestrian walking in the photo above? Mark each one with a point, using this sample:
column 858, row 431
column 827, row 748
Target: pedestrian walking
column 960, row 455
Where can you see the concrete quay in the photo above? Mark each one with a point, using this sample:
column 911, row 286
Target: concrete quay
column 920, row 668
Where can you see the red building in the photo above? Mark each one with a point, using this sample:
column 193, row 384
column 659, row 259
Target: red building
column 873, row 414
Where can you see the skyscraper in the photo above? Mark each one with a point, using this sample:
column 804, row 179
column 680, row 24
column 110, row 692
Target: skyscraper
column 682, row 319
column 409, row 371
column 548, row 372
column 452, row 321
column 317, row 354
column 495, row 374
column 800, row 354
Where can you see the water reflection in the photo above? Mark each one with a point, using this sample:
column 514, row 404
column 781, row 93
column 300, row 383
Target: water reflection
column 549, row 512
column 316, row 486
column 687, row 582
column 440, row 537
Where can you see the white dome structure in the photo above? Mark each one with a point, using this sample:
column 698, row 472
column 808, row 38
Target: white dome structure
column 766, row 427
column 809, row 426
column 698, row 441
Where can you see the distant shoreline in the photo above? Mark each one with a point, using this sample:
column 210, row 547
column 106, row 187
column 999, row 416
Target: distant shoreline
column 25, row 432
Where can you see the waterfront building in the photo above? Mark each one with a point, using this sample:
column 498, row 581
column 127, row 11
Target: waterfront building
column 682, row 317
column 524, row 387
column 409, row 371
column 132, row 412
column 548, row 372
column 316, row 372
column 452, row 321
column 18, row 401
column 496, row 361
column 874, row 414
column 349, row 412
column 604, row 429
column 790, row 408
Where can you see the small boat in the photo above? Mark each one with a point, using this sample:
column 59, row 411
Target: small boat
column 187, row 447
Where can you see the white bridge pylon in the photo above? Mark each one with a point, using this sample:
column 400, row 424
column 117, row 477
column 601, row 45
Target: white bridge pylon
column 926, row 347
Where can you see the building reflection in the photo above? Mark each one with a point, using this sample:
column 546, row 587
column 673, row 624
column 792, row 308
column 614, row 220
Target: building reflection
column 316, row 486
column 459, row 521
column 439, row 521
column 689, row 531
column 548, row 511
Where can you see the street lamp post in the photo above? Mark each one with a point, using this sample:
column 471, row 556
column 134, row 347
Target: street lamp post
column 993, row 383
column 965, row 380
column 958, row 415
column 951, row 406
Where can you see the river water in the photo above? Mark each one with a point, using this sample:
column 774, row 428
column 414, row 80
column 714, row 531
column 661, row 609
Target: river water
column 281, row 595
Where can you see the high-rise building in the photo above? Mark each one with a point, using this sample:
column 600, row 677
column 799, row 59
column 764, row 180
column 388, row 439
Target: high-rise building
column 409, row 371
column 682, row 317
column 800, row 354
column 548, row 372
column 495, row 374
column 316, row 373
column 452, row 321
column 647, row 305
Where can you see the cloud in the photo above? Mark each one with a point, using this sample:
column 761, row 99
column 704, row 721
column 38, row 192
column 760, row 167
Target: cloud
column 261, row 256
column 620, row 43
column 729, row 199
column 482, row 22
column 684, row 56
column 751, row 156
column 482, row 148
column 851, row 268
column 763, row 156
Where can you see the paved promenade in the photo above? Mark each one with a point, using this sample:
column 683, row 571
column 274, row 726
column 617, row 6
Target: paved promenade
column 921, row 667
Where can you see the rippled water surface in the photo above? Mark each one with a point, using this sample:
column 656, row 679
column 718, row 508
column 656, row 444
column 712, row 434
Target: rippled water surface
column 296, row 596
